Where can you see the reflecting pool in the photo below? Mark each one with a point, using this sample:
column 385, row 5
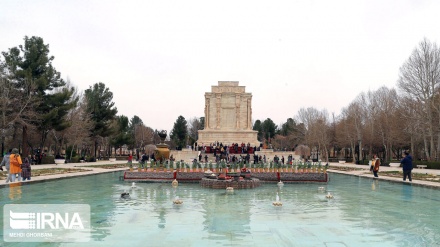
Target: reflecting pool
column 363, row 212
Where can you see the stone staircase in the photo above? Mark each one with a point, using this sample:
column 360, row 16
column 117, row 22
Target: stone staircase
column 186, row 155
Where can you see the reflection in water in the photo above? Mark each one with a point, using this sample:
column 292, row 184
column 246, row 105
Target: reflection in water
column 407, row 192
column 375, row 184
column 227, row 215
column 15, row 191
column 162, row 218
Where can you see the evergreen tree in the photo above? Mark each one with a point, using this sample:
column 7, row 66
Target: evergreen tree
column 269, row 129
column 258, row 127
column 135, row 128
column 33, row 74
column 179, row 132
column 101, row 109
column 288, row 127
column 122, row 134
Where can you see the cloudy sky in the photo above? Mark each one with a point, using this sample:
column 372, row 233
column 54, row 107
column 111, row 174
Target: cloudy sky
column 160, row 57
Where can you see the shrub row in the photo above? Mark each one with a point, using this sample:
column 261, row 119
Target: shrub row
column 429, row 164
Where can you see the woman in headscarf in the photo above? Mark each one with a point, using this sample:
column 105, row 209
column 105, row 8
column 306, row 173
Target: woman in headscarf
column 26, row 170
column 376, row 162
column 15, row 165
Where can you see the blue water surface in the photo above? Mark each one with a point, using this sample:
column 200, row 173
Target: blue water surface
column 363, row 212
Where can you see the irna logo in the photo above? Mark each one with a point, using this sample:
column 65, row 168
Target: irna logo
column 46, row 223
column 31, row 220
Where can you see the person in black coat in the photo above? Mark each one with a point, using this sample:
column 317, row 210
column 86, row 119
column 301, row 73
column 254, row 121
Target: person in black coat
column 407, row 165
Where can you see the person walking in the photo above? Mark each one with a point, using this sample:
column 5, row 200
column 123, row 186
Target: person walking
column 15, row 165
column 5, row 162
column 407, row 166
column 26, row 170
column 376, row 162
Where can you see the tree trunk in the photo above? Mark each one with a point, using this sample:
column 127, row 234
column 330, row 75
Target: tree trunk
column 96, row 145
column 438, row 147
column 413, row 151
column 425, row 142
column 353, row 154
column 25, row 152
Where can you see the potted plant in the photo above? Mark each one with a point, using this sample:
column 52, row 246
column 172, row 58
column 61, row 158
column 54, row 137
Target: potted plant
column 300, row 167
column 171, row 164
column 178, row 166
column 153, row 165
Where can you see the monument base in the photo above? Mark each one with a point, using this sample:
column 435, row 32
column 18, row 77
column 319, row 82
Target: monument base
column 227, row 137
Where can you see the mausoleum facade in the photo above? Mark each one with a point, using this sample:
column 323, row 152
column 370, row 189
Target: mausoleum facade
column 228, row 115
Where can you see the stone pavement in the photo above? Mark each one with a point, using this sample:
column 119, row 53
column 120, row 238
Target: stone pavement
column 93, row 170
column 361, row 173
column 365, row 172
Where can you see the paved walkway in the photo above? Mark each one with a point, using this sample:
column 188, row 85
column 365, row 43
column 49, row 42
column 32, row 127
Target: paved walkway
column 361, row 173
column 93, row 170
column 365, row 172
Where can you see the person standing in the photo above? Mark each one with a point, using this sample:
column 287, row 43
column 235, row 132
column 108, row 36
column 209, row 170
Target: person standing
column 376, row 162
column 371, row 163
column 407, row 165
column 5, row 162
column 15, row 165
column 26, row 170
column 130, row 159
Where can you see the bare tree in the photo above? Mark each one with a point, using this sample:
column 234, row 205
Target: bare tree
column 386, row 121
column 81, row 125
column 194, row 125
column 302, row 150
column 317, row 129
column 413, row 124
column 419, row 79
column 352, row 126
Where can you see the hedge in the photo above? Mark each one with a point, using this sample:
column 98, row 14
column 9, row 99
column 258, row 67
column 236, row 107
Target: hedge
column 48, row 160
column 429, row 164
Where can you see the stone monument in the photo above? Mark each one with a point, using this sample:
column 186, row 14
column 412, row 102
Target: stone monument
column 228, row 116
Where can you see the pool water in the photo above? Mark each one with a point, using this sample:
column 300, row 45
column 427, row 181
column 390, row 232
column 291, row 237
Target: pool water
column 363, row 212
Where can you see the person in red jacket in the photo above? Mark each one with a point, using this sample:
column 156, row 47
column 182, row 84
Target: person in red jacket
column 130, row 159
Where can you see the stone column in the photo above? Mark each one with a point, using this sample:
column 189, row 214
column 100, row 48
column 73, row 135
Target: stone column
column 249, row 113
column 218, row 104
column 237, row 111
column 206, row 112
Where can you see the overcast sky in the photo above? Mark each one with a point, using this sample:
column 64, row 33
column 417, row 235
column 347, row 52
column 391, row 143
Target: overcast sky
column 160, row 57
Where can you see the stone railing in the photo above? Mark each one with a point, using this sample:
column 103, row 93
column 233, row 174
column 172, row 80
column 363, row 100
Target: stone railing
column 287, row 177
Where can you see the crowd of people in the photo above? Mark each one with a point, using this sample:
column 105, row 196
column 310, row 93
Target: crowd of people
column 235, row 148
